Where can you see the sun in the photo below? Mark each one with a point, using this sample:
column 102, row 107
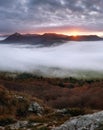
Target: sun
column 75, row 33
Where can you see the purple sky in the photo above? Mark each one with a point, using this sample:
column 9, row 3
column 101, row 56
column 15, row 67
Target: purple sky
column 60, row 16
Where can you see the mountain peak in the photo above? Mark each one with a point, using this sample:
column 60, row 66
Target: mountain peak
column 16, row 34
column 47, row 38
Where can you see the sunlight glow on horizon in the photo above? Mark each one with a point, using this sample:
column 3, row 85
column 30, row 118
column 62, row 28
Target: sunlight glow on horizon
column 76, row 33
column 71, row 32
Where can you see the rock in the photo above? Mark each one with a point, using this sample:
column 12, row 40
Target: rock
column 63, row 111
column 2, row 128
column 19, row 97
column 22, row 125
column 18, row 125
column 86, row 122
column 35, row 108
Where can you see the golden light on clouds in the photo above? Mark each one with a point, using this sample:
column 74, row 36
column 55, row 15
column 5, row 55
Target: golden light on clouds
column 78, row 32
column 66, row 31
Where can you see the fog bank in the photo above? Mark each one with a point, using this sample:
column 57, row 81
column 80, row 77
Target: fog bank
column 2, row 37
column 65, row 60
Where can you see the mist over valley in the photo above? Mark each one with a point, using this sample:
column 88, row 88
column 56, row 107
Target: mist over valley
column 69, row 59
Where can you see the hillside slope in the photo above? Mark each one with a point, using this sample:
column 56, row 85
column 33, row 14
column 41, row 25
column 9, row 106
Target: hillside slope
column 47, row 39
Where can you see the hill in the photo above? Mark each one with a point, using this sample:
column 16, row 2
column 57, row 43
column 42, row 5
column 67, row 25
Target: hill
column 47, row 38
column 39, row 103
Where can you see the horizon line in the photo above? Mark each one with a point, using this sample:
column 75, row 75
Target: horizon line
column 66, row 34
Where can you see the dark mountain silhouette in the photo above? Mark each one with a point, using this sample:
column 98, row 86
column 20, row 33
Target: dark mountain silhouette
column 47, row 38
column 86, row 38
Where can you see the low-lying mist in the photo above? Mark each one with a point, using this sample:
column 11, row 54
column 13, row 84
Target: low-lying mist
column 2, row 37
column 69, row 59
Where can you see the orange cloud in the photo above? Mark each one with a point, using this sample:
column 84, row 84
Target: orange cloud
column 65, row 30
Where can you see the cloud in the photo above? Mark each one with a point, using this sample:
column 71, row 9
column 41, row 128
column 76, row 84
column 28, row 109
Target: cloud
column 31, row 15
column 64, row 60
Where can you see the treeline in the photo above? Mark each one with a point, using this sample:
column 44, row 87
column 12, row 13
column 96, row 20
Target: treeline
column 57, row 81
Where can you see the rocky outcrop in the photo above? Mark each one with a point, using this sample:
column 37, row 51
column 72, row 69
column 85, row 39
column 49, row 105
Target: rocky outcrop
column 22, row 125
column 86, row 122
column 36, row 108
column 18, row 125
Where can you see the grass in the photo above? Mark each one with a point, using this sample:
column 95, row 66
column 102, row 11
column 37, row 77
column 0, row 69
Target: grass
column 75, row 95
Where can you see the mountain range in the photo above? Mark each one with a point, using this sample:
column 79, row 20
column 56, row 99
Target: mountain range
column 47, row 38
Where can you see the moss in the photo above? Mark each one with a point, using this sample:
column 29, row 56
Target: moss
column 100, row 127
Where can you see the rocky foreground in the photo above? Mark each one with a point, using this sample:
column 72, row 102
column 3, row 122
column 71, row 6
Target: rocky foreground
column 37, row 103
column 86, row 122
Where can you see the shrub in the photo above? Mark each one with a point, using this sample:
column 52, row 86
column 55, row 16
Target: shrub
column 6, row 120
column 76, row 111
column 43, row 128
column 37, row 119
column 100, row 127
column 24, row 76
column 22, row 108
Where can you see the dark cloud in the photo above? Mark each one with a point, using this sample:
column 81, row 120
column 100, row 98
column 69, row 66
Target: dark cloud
column 33, row 15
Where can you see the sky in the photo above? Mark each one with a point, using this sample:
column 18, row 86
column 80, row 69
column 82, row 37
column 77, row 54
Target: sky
column 71, row 17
